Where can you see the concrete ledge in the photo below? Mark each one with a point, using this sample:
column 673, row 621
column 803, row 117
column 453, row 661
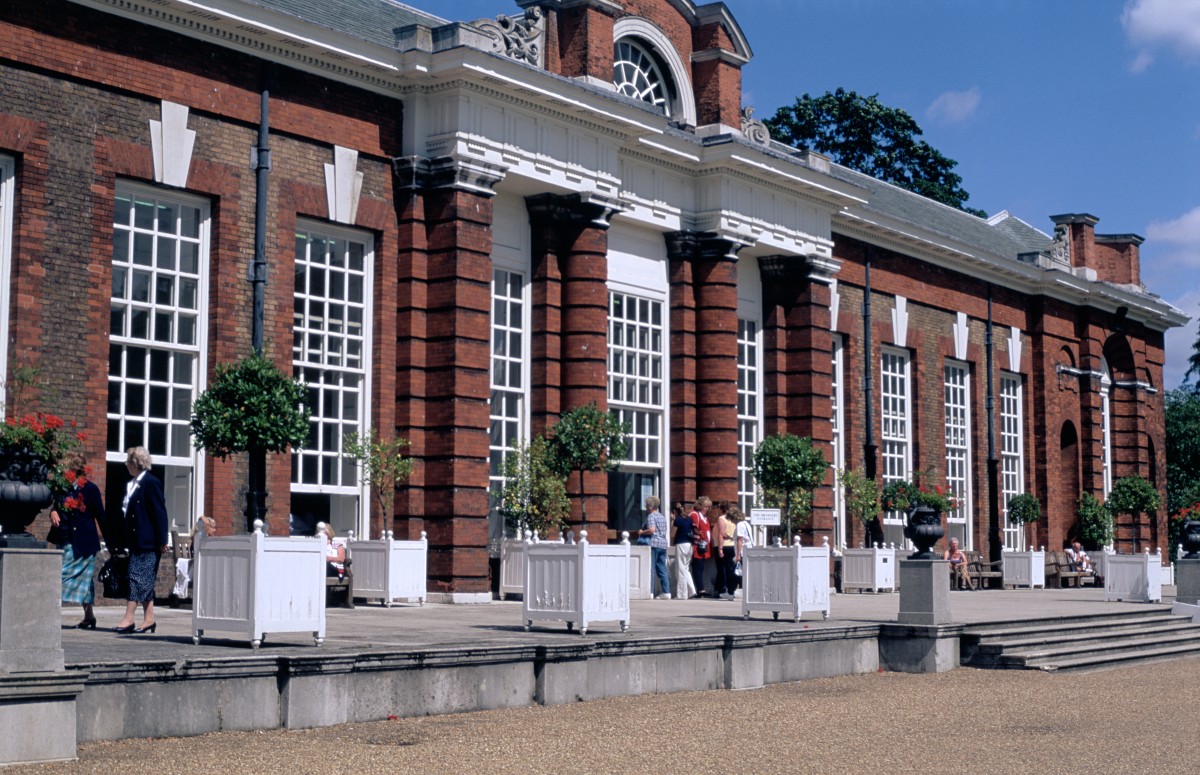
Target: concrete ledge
column 38, row 716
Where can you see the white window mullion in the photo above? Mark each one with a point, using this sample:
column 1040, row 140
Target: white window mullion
column 896, row 421
column 509, row 383
column 1012, row 455
column 839, row 439
column 635, row 381
column 957, row 390
column 749, row 408
column 331, row 353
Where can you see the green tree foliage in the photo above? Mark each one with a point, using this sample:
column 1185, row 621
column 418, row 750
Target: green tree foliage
column 865, row 135
column 587, row 439
column 1183, row 448
column 250, row 405
column 1132, row 495
column 384, row 466
column 791, row 467
column 1095, row 524
column 1024, row 508
column 862, row 495
column 534, row 496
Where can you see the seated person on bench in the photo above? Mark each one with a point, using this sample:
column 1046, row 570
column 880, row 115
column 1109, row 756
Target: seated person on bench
column 958, row 565
column 335, row 554
column 1079, row 560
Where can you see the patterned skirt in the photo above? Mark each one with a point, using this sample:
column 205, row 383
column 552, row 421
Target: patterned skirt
column 78, row 577
column 143, row 572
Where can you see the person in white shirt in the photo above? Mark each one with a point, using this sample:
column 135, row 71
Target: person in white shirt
column 1079, row 559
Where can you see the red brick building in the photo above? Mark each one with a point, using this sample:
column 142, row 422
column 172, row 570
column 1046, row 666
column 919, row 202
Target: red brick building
column 471, row 228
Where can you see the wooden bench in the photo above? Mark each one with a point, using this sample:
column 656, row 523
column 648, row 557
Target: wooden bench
column 181, row 549
column 1058, row 567
column 981, row 570
column 340, row 589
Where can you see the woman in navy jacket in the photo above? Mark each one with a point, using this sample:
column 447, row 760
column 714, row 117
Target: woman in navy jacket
column 77, row 515
column 145, row 511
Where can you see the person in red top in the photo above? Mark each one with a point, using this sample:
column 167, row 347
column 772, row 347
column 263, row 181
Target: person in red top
column 701, row 537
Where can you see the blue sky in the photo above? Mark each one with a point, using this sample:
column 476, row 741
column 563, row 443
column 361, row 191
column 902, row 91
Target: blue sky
column 1049, row 106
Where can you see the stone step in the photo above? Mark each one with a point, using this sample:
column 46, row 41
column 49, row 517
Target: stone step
column 1097, row 645
column 1084, row 635
column 1000, row 631
column 1113, row 658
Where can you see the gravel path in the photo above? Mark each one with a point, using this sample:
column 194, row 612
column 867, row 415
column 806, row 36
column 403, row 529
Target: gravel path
column 1133, row 719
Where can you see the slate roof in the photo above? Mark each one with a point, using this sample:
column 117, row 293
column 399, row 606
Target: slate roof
column 371, row 20
column 1004, row 235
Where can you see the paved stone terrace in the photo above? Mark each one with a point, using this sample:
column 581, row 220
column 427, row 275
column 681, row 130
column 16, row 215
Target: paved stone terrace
column 373, row 627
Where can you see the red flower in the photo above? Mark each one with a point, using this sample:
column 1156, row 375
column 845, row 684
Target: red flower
column 70, row 476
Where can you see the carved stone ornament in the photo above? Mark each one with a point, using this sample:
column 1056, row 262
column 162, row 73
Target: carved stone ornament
column 1059, row 250
column 516, row 38
column 754, row 130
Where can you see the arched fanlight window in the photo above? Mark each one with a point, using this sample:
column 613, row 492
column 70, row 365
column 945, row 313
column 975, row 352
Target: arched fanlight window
column 637, row 74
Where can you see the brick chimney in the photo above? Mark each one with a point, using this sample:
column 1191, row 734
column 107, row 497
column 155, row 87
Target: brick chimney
column 1112, row 258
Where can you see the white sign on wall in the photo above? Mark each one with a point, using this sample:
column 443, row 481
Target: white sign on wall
column 764, row 517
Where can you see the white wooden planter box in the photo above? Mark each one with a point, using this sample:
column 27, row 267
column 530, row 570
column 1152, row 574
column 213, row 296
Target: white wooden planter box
column 578, row 583
column 641, row 585
column 1133, row 577
column 389, row 570
column 512, row 567
column 1099, row 560
column 251, row 585
column 786, row 579
column 1024, row 569
column 873, row 569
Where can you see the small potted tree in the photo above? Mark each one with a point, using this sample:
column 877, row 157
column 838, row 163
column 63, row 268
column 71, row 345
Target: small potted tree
column 871, row 567
column 1136, row 577
column 1134, row 496
column 251, row 406
column 587, row 439
column 1026, row 568
column 386, row 569
column 533, row 498
column 789, row 468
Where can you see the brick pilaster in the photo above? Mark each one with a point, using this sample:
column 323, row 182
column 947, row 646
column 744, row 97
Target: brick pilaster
column 570, row 323
column 447, row 362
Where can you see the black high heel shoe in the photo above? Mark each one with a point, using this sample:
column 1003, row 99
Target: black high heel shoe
column 86, row 624
column 126, row 630
column 148, row 629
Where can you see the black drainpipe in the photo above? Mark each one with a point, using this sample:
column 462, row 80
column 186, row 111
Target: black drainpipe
column 256, row 496
column 870, row 450
column 993, row 464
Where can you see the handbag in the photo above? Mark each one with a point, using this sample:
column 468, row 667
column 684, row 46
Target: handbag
column 114, row 577
column 702, row 545
column 56, row 535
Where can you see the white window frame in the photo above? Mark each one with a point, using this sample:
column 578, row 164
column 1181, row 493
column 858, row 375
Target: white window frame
column 895, row 420
column 750, row 398
column 637, row 412
column 302, row 367
column 838, row 420
column 956, row 383
column 1106, row 460
column 8, row 184
column 498, row 453
column 1012, row 453
column 195, row 459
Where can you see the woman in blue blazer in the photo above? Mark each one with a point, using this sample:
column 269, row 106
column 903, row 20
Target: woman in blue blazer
column 146, row 522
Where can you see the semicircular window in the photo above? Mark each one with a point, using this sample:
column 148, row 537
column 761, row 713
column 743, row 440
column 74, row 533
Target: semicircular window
column 637, row 74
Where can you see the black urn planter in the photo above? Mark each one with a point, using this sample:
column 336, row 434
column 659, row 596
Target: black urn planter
column 1191, row 539
column 924, row 529
column 23, row 495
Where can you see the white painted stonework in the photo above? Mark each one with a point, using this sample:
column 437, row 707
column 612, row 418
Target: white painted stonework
column 962, row 336
column 171, row 143
column 900, row 322
column 343, row 185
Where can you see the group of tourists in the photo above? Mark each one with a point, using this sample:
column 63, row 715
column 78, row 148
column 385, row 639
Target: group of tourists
column 698, row 536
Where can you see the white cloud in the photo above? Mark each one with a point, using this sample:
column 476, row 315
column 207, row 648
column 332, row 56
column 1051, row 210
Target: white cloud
column 1184, row 230
column 1171, row 24
column 954, row 107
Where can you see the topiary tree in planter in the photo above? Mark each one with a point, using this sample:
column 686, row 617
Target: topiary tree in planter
column 587, row 439
column 791, row 467
column 861, row 498
column 534, row 496
column 1024, row 509
column 251, row 406
column 1095, row 524
column 1134, row 496
column 384, row 467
